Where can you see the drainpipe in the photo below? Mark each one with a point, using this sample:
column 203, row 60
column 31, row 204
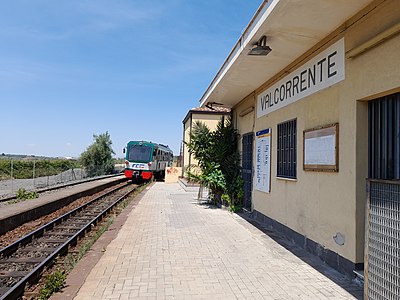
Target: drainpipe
column 190, row 133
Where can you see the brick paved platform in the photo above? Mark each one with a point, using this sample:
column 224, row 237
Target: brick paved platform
column 172, row 247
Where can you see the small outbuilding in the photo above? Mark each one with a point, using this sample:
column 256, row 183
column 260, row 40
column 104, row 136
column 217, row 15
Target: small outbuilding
column 210, row 116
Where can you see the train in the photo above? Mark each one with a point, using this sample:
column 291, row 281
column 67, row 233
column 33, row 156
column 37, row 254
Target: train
column 145, row 161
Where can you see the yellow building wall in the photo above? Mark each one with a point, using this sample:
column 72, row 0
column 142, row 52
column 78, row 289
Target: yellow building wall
column 186, row 132
column 244, row 118
column 321, row 204
column 210, row 120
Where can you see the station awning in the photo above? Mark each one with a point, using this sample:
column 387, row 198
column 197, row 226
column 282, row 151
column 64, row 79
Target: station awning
column 291, row 27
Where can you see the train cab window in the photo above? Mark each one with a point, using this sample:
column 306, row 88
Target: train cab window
column 139, row 153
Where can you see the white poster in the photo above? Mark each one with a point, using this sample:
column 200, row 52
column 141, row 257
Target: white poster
column 320, row 150
column 263, row 160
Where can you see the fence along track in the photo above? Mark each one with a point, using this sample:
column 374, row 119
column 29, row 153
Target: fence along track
column 59, row 186
column 24, row 260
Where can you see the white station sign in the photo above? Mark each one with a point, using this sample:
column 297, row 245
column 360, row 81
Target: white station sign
column 263, row 160
column 324, row 70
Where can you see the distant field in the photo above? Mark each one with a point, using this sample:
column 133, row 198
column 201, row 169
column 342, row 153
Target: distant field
column 23, row 156
column 24, row 168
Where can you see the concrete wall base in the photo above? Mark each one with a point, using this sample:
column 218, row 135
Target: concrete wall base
column 336, row 261
column 188, row 186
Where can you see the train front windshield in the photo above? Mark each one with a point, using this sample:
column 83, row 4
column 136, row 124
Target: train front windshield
column 139, row 153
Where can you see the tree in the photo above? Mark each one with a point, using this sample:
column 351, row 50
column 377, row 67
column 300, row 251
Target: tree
column 218, row 159
column 228, row 158
column 97, row 159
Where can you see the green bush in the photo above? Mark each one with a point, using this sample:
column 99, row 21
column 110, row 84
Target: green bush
column 23, row 194
column 54, row 283
column 218, row 161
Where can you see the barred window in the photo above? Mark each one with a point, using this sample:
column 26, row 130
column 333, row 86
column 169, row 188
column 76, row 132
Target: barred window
column 384, row 138
column 287, row 149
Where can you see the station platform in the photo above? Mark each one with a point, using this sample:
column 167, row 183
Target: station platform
column 13, row 215
column 170, row 246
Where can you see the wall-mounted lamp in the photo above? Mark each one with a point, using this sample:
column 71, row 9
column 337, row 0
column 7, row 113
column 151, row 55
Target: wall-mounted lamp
column 260, row 48
column 210, row 105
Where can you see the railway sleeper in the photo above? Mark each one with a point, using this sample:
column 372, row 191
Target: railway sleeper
column 92, row 216
column 15, row 274
column 22, row 260
column 67, row 230
column 69, row 227
column 33, row 249
column 97, row 211
column 3, row 290
column 43, row 245
column 82, row 218
column 74, row 223
column 59, row 233
column 89, row 213
column 54, row 241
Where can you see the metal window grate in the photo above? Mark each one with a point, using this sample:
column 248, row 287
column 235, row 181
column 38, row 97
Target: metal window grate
column 286, row 149
column 247, row 168
column 384, row 137
column 383, row 240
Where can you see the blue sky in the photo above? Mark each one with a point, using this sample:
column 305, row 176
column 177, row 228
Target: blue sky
column 71, row 69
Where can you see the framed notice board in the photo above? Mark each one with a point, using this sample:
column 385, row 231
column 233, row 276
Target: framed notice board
column 321, row 149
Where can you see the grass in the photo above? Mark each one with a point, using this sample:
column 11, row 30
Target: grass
column 72, row 259
column 23, row 195
column 54, row 283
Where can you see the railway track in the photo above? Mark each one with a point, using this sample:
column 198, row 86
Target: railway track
column 23, row 261
column 58, row 186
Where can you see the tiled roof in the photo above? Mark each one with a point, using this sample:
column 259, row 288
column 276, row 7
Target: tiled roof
column 214, row 109
column 207, row 110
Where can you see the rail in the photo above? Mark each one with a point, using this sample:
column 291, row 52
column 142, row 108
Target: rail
column 59, row 186
column 86, row 215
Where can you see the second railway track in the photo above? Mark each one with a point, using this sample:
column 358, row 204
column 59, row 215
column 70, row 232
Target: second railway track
column 23, row 261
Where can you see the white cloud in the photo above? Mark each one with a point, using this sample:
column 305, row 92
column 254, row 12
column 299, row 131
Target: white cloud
column 78, row 18
column 108, row 15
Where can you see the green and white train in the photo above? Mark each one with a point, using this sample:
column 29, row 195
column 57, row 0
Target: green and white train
column 146, row 160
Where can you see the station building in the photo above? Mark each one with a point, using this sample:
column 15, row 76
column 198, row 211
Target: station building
column 210, row 116
column 314, row 88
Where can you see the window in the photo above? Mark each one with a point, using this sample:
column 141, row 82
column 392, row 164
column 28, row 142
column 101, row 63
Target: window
column 287, row 149
column 137, row 153
column 384, row 138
